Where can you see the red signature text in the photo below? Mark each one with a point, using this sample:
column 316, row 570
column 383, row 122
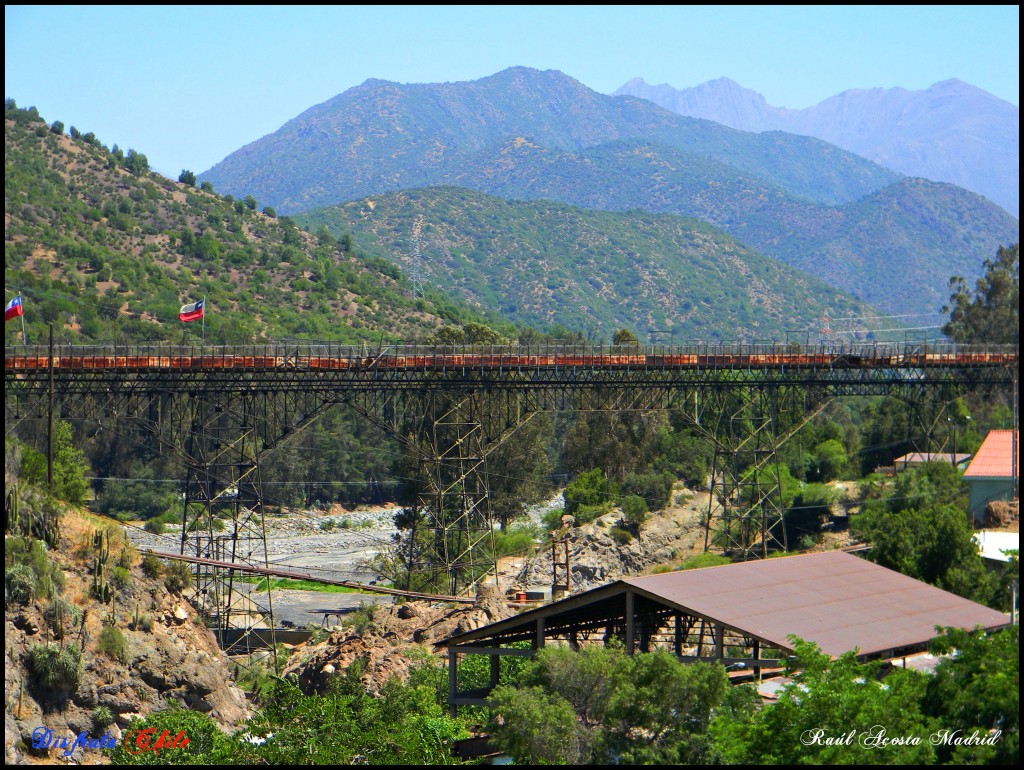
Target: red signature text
column 140, row 741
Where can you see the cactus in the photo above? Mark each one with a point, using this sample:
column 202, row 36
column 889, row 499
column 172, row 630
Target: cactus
column 101, row 541
column 100, row 588
column 51, row 530
column 13, row 518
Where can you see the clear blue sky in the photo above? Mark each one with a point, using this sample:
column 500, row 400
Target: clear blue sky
column 187, row 86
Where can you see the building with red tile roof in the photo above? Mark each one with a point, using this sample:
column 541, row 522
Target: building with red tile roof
column 992, row 474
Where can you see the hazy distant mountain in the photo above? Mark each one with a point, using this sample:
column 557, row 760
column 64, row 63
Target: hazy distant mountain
column 951, row 132
column 527, row 134
column 543, row 263
column 383, row 136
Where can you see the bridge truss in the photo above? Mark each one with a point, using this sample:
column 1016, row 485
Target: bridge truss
column 221, row 409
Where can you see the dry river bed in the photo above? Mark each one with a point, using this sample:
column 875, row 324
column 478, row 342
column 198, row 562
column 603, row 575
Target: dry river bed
column 337, row 545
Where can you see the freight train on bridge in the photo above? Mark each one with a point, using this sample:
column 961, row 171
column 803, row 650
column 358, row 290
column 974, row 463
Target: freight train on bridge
column 402, row 358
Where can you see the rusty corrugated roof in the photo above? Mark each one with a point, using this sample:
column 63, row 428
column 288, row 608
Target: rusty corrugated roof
column 994, row 459
column 836, row 599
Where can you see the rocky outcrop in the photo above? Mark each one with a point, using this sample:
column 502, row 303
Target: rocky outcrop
column 595, row 557
column 382, row 647
column 168, row 656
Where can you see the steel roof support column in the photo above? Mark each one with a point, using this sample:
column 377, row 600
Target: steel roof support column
column 630, row 622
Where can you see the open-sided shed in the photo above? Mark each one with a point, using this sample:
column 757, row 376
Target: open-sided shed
column 740, row 614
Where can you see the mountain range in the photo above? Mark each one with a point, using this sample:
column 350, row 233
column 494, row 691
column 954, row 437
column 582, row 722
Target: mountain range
column 381, row 136
column 950, row 132
column 528, row 134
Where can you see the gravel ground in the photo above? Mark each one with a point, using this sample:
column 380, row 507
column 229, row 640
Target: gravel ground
column 336, row 544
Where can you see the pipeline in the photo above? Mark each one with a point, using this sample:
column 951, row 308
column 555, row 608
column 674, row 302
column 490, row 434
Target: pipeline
column 312, row 578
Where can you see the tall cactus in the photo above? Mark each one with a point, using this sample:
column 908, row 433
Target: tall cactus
column 100, row 588
column 101, row 541
column 12, row 510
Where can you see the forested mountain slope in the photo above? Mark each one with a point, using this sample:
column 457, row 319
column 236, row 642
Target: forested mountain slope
column 922, row 231
column 542, row 263
column 106, row 250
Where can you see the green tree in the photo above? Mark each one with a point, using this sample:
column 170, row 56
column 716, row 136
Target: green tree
column 977, row 690
column 404, row 726
column 831, row 459
column 600, row 705
column 57, row 127
column 207, row 743
column 69, row 466
column 536, row 727
column 619, row 442
column 841, row 700
column 624, row 337
column 136, row 162
column 992, row 313
column 250, row 202
column 922, row 531
column 591, row 489
column 518, row 470
column 187, row 177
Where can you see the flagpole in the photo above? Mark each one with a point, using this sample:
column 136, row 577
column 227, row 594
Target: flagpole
column 204, row 319
column 24, row 335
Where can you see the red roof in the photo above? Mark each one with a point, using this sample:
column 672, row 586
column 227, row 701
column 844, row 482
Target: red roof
column 834, row 598
column 995, row 457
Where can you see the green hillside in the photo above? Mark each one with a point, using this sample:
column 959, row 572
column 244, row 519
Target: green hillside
column 921, row 231
column 542, row 263
column 106, row 250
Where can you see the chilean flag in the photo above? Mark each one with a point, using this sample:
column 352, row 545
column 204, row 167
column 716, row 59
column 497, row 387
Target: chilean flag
column 191, row 312
column 13, row 309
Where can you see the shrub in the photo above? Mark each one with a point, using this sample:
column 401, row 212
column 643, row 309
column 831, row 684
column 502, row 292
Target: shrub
column 20, row 585
column 706, row 559
column 154, row 526
column 620, row 536
column 151, row 566
column 125, row 559
column 552, row 519
column 654, row 488
column 55, row 666
column 31, row 554
column 634, row 511
column 113, row 642
column 122, row 580
column 588, row 489
column 362, row 618
column 587, row 513
column 63, row 616
column 177, row 577
column 102, row 718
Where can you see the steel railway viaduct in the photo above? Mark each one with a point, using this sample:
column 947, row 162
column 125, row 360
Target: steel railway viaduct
column 219, row 409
